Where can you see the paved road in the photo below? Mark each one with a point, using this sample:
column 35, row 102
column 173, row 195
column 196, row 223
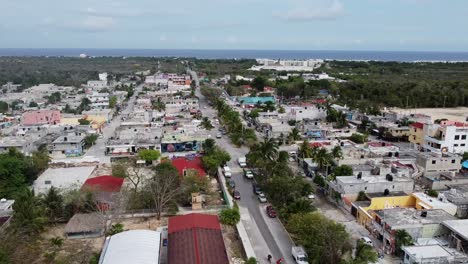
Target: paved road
column 267, row 236
column 98, row 149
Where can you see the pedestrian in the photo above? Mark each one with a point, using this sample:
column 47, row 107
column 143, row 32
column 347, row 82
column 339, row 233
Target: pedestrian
column 269, row 258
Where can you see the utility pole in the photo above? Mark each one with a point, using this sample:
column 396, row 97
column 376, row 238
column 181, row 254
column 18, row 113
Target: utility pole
column 444, row 100
column 406, row 102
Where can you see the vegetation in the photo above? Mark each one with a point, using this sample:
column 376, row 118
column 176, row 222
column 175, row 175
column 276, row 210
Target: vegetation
column 229, row 216
column 163, row 186
column 149, row 155
column 54, row 98
column 115, row 229
column 251, row 260
column 90, row 140
column 364, row 254
column 206, row 123
column 402, row 238
column 112, row 101
column 82, row 121
column 343, row 170
column 324, row 240
column 432, row 193
column 358, row 138
column 214, row 156
column 3, row 107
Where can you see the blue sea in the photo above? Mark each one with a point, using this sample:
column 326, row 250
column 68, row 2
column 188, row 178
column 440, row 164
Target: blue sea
column 400, row 56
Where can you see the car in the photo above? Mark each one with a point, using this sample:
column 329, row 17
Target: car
column 248, row 174
column 219, row 135
column 256, row 189
column 262, row 197
column 232, row 184
column 311, row 196
column 227, row 172
column 366, row 240
column 271, row 211
column 237, row 195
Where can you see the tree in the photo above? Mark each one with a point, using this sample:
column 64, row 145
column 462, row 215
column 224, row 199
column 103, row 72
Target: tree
column 324, row 240
column 364, row 254
column 343, row 170
column 3, row 107
column 269, row 149
column 251, row 260
column 112, row 101
column 84, row 105
column 82, row 121
column 40, row 160
column 358, row 138
column 149, row 155
column 305, row 151
column 254, row 113
column 465, row 156
column 130, row 170
column 193, row 184
column 259, row 83
column 432, row 193
column 54, row 98
column 90, row 140
column 28, row 215
column 294, row 135
column 33, row 104
column 115, row 229
column 229, row 216
column 323, row 159
column 361, row 196
column 206, row 123
column 163, row 186
column 337, row 152
column 54, row 205
column 402, row 239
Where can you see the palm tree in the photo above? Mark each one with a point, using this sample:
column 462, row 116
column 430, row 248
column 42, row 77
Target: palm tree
column 323, row 159
column 402, row 238
column 305, row 151
column 337, row 152
column 294, row 135
column 269, row 149
column 206, row 123
column 29, row 216
column 364, row 253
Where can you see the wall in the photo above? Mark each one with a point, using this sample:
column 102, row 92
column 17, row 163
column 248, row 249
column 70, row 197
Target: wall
column 416, row 136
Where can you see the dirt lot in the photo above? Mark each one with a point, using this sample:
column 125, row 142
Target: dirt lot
column 453, row 114
column 233, row 244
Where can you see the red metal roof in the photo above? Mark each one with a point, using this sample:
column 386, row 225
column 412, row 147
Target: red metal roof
column 182, row 164
column 197, row 239
column 104, row 183
column 189, row 221
column 417, row 125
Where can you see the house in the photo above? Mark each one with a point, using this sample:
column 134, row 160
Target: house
column 195, row 238
column 188, row 163
column 97, row 85
column 105, row 189
column 436, row 163
column 10, row 87
column 98, row 100
column 85, row 226
column 432, row 254
column 41, row 117
column 62, row 178
column 457, row 234
column 423, row 201
column 446, row 137
column 418, row 224
column 22, row 144
column 416, row 134
column 457, row 195
column 6, row 211
column 70, row 145
column 133, row 246
column 380, row 149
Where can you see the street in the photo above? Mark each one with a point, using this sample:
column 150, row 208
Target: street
column 99, row 148
column 267, row 235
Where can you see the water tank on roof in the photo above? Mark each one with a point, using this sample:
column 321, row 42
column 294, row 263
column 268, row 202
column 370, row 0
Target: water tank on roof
column 389, row 177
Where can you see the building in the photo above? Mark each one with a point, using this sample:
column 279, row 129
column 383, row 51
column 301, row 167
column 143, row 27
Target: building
column 436, row 163
column 432, row 254
column 457, row 234
column 41, row 117
column 22, row 144
column 10, row 87
column 188, row 163
column 6, row 211
column 457, row 195
column 299, row 113
column 105, row 190
column 96, row 85
column 98, row 100
column 85, row 226
column 70, row 145
column 63, row 179
column 133, row 246
column 416, row 134
column 418, row 224
column 196, row 238
column 446, row 137
column 423, row 201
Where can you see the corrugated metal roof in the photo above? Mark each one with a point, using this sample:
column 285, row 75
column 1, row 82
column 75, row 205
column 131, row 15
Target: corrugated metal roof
column 134, row 246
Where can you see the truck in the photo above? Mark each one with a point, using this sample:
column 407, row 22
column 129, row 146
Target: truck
column 299, row 255
column 242, row 162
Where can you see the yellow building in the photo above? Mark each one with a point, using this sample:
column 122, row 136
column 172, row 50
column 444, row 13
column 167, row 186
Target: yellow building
column 416, row 133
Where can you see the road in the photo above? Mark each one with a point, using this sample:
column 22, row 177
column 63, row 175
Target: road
column 99, row 148
column 267, row 236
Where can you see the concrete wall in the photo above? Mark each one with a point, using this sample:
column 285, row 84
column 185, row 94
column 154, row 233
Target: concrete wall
column 436, row 164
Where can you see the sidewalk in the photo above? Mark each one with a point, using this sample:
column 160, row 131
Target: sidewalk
column 259, row 245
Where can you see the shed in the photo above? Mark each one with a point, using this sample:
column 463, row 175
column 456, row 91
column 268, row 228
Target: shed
column 85, row 226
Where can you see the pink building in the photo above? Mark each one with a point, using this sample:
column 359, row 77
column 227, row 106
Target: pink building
column 41, row 117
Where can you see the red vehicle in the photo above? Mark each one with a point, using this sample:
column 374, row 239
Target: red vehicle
column 271, row 211
column 237, row 195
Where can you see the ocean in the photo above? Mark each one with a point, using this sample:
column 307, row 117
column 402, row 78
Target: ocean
column 400, row 56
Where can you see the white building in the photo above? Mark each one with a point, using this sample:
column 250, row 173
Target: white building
column 298, row 113
column 98, row 100
column 103, row 76
column 97, row 84
column 63, row 179
column 446, row 137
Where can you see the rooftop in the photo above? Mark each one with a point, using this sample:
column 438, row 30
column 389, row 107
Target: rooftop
column 426, row 252
column 6, row 204
column 134, row 246
column 81, row 223
column 371, row 179
column 104, row 183
column 417, row 125
column 399, row 218
column 391, row 194
column 62, row 178
column 433, row 202
column 185, row 163
column 459, row 226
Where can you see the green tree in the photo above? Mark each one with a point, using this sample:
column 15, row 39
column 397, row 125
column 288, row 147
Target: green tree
column 115, row 229
column 358, row 138
column 33, row 104
column 364, row 254
column 259, row 83
column 206, row 123
column 163, row 186
column 82, row 121
column 294, row 135
column 112, row 101
column 251, row 260
column 324, row 240
column 193, row 184
column 343, row 170
column 323, row 159
column 54, row 205
column 337, row 152
column 149, row 155
column 54, row 98
column 465, row 156
column 3, row 107
column 229, row 216
column 402, row 239
column 254, row 113
column 28, row 214
column 90, row 140
column 305, row 151
column 13, row 169
column 432, row 193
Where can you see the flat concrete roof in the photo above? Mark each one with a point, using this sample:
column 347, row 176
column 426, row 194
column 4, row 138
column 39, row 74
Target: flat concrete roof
column 459, row 226
column 427, row 252
column 399, row 218
column 62, row 178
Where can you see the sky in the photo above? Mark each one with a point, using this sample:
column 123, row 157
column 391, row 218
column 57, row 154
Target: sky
column 396, row 25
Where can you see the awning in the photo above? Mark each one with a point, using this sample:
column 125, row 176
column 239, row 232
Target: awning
column 465, row 164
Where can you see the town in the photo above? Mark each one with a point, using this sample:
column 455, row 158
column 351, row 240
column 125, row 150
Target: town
column 186, row 166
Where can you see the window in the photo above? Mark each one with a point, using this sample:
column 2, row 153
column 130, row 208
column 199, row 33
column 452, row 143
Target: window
column 462, row 145
column 47, row 182
column 393, row 187
column 455, row 145
column 365, row 188
column 463, row 137
column 457, row 137
column 433, row 162
column 453, row 161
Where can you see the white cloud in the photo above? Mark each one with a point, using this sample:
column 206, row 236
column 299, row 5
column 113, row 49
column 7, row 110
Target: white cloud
column 317, row 10
column 94, row 24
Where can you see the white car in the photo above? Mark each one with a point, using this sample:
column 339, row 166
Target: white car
column 311, row 196
column 249, row 174
column 366, row 240
column 262, row 197
column 219, row 135
column 227, row 172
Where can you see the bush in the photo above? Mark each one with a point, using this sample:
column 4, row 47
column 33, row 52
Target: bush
column 251, row 260
column 432, row 193
column 229, row 216
column 115, row 229
column 358, row 138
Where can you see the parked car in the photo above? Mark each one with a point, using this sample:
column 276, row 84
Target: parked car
column 227, row 172
column 256, row 188
column 219, row 135
column 237, row 195
column 242, row 162
column 299, row 255
column 271, row 211
column 232, row 184
column 367, row 240
column 248, row 174
column 311, row 196
column 262, row 197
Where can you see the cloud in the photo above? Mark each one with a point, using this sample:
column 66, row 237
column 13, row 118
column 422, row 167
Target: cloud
column 303, row 11
column 94, row 24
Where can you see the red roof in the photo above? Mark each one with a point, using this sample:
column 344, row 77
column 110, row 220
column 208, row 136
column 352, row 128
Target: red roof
column 319, row 144
column 104, row 183
column 379, row 144
column 246, row 87
column 190, row 221
column 417, row 125
column 183, row 163
column 319, row 101
column 197, row 239
column 41, row 117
